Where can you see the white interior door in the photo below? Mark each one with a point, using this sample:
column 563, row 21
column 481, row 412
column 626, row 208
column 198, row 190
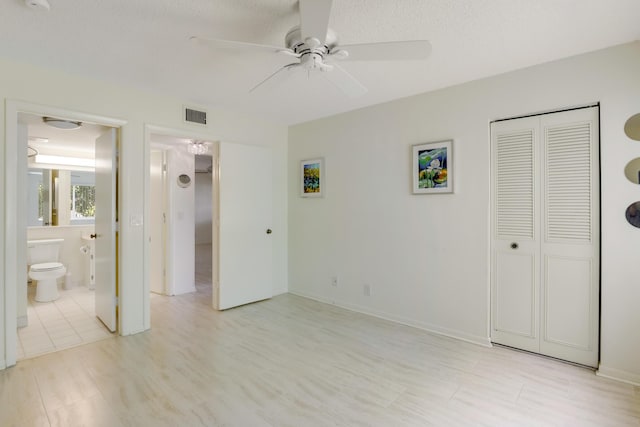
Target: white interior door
column 245, row 210
column 545, row 238
column 105, row 245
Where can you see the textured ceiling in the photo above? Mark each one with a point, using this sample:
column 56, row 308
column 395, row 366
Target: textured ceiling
column 145, row 44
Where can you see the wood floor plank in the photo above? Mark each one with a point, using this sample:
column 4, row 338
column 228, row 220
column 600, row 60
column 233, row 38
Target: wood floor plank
column 290, row 361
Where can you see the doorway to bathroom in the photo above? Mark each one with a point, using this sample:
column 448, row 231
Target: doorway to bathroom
column 66, row 175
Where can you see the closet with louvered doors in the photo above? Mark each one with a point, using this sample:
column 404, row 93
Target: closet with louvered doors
column 545, row 257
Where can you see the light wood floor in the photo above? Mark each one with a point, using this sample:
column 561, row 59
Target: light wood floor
column 290, row 361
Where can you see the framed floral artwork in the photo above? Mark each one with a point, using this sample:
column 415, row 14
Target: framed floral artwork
column 312, row 177
column 433, row 167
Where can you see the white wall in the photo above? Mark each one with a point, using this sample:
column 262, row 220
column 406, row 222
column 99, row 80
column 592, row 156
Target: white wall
column 180, row 223
column 203, row 208
column 426, row 257
column 51, row 88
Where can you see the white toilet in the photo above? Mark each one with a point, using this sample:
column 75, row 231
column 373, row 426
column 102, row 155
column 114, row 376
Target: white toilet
column 42, row 257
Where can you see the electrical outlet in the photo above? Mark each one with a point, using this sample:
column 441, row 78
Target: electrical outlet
column 334, row 281
column 366, row 289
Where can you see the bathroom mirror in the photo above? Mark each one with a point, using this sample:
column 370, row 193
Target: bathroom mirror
column 633, row 214
column 60, row 197
column 632, row 127
column 632, row 170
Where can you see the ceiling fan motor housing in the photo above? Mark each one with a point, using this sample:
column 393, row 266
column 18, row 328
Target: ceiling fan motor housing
column 311, row 51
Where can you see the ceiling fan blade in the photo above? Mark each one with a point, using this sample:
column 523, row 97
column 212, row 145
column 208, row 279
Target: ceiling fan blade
column 344, row 81
column 230, row 44
column 277, row 78
column 314, row 19
column 387, row 51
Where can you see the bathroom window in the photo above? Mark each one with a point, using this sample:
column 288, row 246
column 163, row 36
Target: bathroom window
column 83, row 201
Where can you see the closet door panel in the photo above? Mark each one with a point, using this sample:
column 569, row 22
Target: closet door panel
column 514, row 247
column 568, row 304
column 570, row 244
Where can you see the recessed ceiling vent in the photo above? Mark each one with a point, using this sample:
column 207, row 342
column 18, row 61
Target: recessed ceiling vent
column 195, row 116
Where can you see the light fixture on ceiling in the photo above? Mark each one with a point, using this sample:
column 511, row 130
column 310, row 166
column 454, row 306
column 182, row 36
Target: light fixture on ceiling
column 61, row 123
column 197, row 147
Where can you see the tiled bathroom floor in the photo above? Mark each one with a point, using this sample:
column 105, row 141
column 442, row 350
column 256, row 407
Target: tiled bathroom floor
column 66, row 322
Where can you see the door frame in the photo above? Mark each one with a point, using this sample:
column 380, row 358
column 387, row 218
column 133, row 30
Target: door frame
column 163, row 152
column 15, row 208
column 150, row 129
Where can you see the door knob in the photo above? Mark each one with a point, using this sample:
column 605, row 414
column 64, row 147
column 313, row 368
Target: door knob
column 514, row 245
column 93, row 236
column 269, row 231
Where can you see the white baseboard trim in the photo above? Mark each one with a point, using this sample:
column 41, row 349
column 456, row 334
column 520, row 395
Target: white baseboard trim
column 619, row 375
column 434, row 329
column 23, row 321
column 3, row 365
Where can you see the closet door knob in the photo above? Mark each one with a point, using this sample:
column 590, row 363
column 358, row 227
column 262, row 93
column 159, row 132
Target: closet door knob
column 514, row 245
column 269, row 231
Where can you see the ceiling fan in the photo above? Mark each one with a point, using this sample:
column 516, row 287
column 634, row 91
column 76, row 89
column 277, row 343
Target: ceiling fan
column 316, row 48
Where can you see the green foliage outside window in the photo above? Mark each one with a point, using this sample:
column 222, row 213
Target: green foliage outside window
column 83, row 201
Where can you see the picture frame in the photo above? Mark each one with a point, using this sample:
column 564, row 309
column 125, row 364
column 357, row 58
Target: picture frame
column 433, row 167
column 312, row 177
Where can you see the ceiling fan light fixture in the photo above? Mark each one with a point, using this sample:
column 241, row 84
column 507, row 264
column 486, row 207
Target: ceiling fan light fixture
column 198, row 147
column 61, row 123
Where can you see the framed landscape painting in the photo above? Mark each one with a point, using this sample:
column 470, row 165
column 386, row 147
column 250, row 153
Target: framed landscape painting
column 433, row 168
column 312, row 177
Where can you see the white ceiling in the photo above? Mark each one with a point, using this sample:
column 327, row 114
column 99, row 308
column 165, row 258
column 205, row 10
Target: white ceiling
column 73, row 142
column 144, row 44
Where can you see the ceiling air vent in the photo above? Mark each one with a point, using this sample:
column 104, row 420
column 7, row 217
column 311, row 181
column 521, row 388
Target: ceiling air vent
column 195, row 116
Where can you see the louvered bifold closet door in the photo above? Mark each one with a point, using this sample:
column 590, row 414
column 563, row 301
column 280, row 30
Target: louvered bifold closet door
column 515, row 204
column 570, row 246
column 545, row 234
